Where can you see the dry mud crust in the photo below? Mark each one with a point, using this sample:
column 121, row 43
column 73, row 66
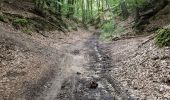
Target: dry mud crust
column 142, row 68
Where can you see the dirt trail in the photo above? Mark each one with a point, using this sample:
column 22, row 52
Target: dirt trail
column 79, row 68
column 83, row 65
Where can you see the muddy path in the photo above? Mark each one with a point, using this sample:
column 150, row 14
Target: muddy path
column 83, row 75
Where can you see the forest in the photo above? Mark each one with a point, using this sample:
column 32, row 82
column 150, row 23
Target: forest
column 84, row 49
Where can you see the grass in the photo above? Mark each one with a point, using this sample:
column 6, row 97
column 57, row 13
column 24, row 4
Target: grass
column 2, row 18
column 20, row 22
column 163, row 37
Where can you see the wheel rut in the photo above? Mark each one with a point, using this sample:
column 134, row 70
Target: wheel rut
column 85, row 75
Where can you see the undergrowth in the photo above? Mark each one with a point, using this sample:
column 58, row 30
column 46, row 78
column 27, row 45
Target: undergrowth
column 31, row 24
column 110, row 30
column 3, row 18
column 21, row 22
column 163, row 37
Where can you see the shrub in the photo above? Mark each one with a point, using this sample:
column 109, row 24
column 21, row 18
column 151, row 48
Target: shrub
column 108, row 29
column 163, row 37
column 20, row 22
column 2, row 18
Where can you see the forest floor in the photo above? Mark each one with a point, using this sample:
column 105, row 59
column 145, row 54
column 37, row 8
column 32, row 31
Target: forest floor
column 77, row 65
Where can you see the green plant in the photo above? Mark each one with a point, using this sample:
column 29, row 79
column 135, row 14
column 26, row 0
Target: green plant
column 108, row 29
column 163, row 37
column 2, row 18
column 108, row 26
column 20, row 22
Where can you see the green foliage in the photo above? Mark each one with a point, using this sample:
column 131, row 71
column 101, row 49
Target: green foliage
column 20, row 22
column 86, row 10
column 132, row 4
column 108, row 27
column 93, row 12
column 2, row 18
column 47, row 7
column 107, row 30
column 163, row 37
column 110, row 30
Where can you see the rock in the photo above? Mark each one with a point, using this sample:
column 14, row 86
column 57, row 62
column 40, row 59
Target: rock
column 60, row 38
column 167, row 27
column 63, row 86
column 155, row 58
column 165, row 57
column 166, row 80
column 78, row 73
column 135, row 88
column 93, row 84
column 167, row 95
column 96, row 76
column 161, row 89
column 115, row 39
column 76, row 52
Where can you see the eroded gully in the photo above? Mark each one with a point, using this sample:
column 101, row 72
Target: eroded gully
column 84, row 75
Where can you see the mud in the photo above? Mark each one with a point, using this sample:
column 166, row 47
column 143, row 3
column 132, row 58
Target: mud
column 84, row 65
column 76, row 67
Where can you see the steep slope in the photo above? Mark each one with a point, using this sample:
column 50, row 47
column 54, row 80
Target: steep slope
column 28, row 62
column 141, row 67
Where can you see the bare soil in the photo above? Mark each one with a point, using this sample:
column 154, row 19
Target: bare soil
column 78, row 66
column 28, row 62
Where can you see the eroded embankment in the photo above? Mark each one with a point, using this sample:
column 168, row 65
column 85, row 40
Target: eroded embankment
column 28, row 63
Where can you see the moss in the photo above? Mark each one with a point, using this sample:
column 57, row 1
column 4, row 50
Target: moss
column 32, row 24
column 42, row 25
column 3, row 18
column 163, row 37
column 110, row 31
column 20, row 22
